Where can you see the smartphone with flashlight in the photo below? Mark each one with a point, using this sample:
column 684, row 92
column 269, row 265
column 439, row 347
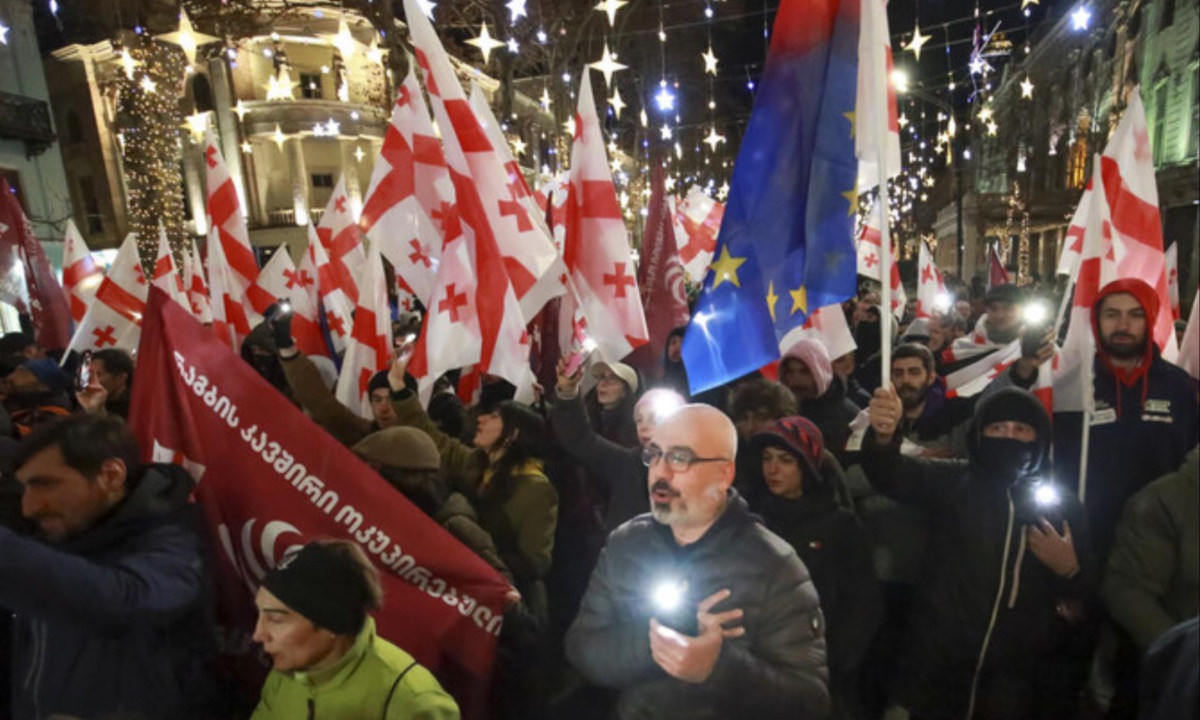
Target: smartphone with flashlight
column 1037, row 322
column 405, row 346
column 281, row 308
column 576, row 361
column 675, row 608
column 83, row 374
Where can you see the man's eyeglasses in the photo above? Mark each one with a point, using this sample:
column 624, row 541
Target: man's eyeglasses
column 679, row 460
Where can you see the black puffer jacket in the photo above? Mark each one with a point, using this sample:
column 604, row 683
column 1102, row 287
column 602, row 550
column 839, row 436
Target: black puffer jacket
column 983, row 592
column 776, row 670
column 832, row 413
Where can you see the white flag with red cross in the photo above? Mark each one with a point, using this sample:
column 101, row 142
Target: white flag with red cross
column 370, row 346
column 113, row 320
column 227, row 226
column 81, row 274
column 166, row 277
column 1172, row 261
column 1130, row 188
column 516, row 178
column 280, row 280
column 342, row 239
column 451, row 336
column 700, row 217
column 870, row 258
column 1072, row 249
column 876, row 99
column 533, row 266
column 931, row 290
column 197, row 286
column 597, row 244
column 232, row 314
column 338, row 309
column 406, row 216
column 827, row 325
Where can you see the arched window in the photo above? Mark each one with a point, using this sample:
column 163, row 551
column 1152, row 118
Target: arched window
column 202, row 97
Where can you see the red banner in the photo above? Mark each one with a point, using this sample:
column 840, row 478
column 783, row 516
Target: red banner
column 268, row 479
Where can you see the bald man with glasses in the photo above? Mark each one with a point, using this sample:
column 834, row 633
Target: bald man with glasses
column 695, row 609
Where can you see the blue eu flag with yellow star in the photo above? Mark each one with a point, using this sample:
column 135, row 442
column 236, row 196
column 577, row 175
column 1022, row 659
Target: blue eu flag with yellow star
column 786, row 243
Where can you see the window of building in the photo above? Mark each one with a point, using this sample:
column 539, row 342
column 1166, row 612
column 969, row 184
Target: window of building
column 322, row 180
column 74, row 130
column 1159, row 136
column 92, row 220
column 1167, row 18
column 202, row 95
column 310, row 86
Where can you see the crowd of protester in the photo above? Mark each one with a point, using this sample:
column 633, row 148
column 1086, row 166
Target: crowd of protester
column 828, row 538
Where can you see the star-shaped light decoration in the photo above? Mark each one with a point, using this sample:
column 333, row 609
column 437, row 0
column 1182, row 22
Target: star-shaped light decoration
column 665, row 132
column 519, row 146
column 427, row 7
column 569, row 126
column 544, row 100
column 280, row 86
column 3, row 34
column 1027, row 3
column 516, row 9
column 128, row 64
column 978, row 66
column 1026, row 88
column 359, row 154
column 713, row 139
column 148, row 85
column 485, row 42
column 902, row 121
column 279, row 137
column 333, row 128
column 514, row 47
column 645, row 120
column 710, row 61
column 374, row 53
column 608, row 65
column 612, row 147
column 344, row 41
column 669, row 183
column 1080, row 19
column 615, row 165
column 610, row 7
column 723, row 191
column 240, row 110
column 197, row 124
column 247, row 147
column 616, row 103
column 992, row 127
column 917, row 42
column 187, row 38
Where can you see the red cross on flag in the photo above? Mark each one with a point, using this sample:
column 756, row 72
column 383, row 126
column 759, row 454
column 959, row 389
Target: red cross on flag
column 827, row 325
column 166, row 277
column 233, row 315
column 1172, row 261
column 410, row 201
column 370, row 346
column 342, row 239
column 227, row 226
column 279, row 279
column 451, row 336
column 516, row 178
column 114, row 318
column 597, row 245
column 931, row 290
column 197, row 286
column 875, row 102
column 1072, row 249
column 81, row 274
column 870, row 260
column 533, row 266
column 700, row 217
column 325, row 295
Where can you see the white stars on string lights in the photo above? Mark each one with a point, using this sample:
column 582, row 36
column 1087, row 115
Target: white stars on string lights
column 519, row 146
column 610, row 8
column 544, row 100
column 128, row 64
column 1081, row 18
column 148, row 85
column 280, row 85
column 713, row 139
column 344, row 41
column 330, row 128
column 710, row 61
column 278, row 137
column 917, row 42
column 3, row 34
column 665, row 133
column 485, row 42
column 665, row 99
column 187, row 38
column 616, row 103
column 1026, row 88
column 516, row 10
column 608, row 65
column 359, row 154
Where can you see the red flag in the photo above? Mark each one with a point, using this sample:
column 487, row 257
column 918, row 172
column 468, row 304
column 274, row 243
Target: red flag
column 39, row 292
column 931, row 290
column 197, row 286
column 997, row 275
column 269, row 479
column 114, row 318
column 81, row 274
column 661, row 279
column 597, row 245
column 342, row 240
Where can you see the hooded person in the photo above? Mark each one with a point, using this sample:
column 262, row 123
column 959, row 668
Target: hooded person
column 675, row 375
column 611, row 401
column 1008, row 571
column 798, row 503
column 806, row 370
column 1146, row 416
column 36, row 392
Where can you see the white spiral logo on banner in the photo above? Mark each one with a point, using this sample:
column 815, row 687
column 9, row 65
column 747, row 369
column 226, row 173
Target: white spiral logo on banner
column 253, row 563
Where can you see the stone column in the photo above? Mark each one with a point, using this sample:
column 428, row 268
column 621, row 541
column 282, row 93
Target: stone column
column 195, row 186
column 350, row 168
column 228, row 133
column 298, row 171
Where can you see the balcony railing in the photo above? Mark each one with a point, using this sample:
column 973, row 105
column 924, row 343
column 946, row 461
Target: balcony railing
column 26, row 119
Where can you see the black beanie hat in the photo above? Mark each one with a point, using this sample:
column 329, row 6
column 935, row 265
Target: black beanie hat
column 1005, row 293
column 323, row 585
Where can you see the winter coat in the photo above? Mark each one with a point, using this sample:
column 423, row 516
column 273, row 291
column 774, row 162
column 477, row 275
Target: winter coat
column 836, row 549
column 1171, row 676
column 519, row 513
column 985, row 623
column 619, row 469
column 776, row 670
column 309, row 389
column 832, row 413
column 374, row 680
column 1153, row 577
column 116, row 620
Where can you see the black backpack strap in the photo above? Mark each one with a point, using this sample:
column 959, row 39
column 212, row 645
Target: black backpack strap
column 387, row 703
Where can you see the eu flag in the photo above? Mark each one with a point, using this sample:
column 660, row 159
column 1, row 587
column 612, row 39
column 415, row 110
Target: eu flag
column 786, row 243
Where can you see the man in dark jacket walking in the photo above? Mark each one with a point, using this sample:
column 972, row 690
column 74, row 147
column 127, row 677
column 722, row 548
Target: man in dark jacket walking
column 112, row 614
column 696, row 610
column 991, row 626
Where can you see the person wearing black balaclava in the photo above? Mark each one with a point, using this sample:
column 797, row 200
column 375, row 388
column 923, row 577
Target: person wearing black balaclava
column 997, row 627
